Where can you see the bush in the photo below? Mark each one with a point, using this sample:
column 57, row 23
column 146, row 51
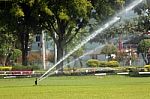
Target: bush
column 97, row 63
column 134, row 72
column 25, row 68
column 93, row 63
column 112, row 64
column 5, row 68
column 108, row 64
column 15, row 68
column 147, row 67
column 102, row 64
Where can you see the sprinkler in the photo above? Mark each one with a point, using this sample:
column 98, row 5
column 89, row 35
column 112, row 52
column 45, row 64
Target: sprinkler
column 115, row 19
column 36, row 81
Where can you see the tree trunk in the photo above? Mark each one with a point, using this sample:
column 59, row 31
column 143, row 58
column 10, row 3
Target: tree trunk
column 24, row 47
column 4, row 60
column 144, row 58
column 68, row 61
column 8, row 60
column 60, row 44
column 148, row 58
column 80, row 60
column 59, row 56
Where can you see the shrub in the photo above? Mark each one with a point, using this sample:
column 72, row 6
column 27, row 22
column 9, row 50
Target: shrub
column 16, row 54
column 5, row 68
column 112, row 64
column 21, row 68
column 134, row 72
column 108, row 64
column 25, row 67
column 93, row 63
column 103, row 64
column 97, row 63
column 147, row 67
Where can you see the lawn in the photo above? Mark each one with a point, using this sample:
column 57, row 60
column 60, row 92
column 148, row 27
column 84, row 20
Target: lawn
column 77, row 87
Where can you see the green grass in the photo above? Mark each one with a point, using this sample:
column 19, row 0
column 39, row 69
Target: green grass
column 73, row 87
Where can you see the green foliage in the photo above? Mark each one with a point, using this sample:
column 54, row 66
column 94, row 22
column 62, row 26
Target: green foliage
column 134, row 73
column 17, row 11
column 16, row 54
column 6, row 40
column 78, row 53
column 65, row 18
column 109, row 49
column 108, row 64
column 45, row 9
column 3, row 50
column 143, row 20
column 144, row 45
column 63, row 15
column 131, row 68
column 147, row 67
column 97, row 63
column 93, row 63
column 106, row 8
column 5, row 68
column 79, row 8
column 19, row 67
column 113, row 64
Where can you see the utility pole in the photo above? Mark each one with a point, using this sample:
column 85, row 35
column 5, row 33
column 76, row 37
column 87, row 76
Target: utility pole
column 130, row 56
column 55, row 51
column 43, row 50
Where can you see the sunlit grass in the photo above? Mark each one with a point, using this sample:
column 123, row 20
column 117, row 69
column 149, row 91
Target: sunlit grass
column 77, row 87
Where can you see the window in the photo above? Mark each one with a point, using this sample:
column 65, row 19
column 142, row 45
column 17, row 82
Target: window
column 38, row 38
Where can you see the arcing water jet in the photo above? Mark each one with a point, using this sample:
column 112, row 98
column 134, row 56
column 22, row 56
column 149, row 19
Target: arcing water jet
column 100, row 30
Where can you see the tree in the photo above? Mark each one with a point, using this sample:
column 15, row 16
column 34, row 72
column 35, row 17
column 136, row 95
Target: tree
column 68, row 17
column 7, row 44
column 63, row 17
column 143, row 11
column 109, row 49
column 143, row 48
column 77, row 54
column 20, row 17
column 106, row 8
column 76, row 40
column 16, row 53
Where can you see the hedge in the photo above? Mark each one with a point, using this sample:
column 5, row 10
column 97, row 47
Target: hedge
column 19, row 67
column 97, row 63
column 147, row 67
column 93, row 63
column 5, row 68
column 112, row 64
column 25, row 67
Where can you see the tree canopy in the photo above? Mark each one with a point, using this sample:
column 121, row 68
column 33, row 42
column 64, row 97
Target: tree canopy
column 144, row 47
column 64, row 18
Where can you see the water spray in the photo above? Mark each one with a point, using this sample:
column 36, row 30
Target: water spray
column 90, row 52
column 87, row 53
column 104, row 27
column 100, row 30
